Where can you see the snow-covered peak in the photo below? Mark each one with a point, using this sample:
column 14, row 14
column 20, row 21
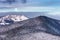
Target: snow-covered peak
column 12, row 18
column 16, row 18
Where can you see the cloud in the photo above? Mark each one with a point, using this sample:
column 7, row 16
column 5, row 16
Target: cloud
column 28, row 9
column 35, row 9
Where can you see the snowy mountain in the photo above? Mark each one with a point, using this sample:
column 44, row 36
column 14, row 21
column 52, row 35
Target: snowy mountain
column 11, row 19
column 38, row 28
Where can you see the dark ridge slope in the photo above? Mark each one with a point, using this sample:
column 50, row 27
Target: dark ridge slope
column 34, row 25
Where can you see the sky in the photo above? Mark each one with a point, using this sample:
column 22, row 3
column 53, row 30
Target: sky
column 44, row 2
column 50, row 7
column 35, row 2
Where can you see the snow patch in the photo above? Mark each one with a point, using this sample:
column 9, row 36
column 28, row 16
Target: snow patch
column 10, row 18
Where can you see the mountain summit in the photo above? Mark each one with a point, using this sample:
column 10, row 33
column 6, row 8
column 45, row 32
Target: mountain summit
column 12, row 18
column 38, row 28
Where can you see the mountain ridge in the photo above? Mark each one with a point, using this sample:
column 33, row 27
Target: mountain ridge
column 33, row 26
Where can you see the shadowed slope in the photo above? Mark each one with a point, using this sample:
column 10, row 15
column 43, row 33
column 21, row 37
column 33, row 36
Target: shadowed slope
column 31, row 27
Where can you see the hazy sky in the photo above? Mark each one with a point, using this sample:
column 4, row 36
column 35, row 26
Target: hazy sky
column 44, row 2
column 50, row 7
column 38, row 2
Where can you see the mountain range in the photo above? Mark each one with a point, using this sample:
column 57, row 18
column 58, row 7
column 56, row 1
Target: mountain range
column 38, row 28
